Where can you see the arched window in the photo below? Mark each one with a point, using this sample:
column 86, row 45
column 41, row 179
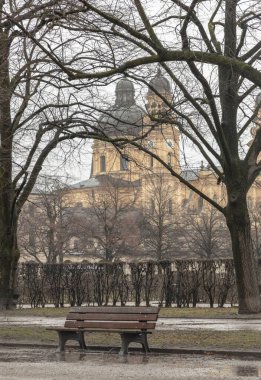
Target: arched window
column 170, row 207
column 76, row 244
column 124, row 163
column 169, row 159
column 184, row 202
column 103, row 164
column 200, row 204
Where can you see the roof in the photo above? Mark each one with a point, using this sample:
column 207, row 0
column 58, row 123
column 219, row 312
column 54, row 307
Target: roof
column 189, row 175
column 122, row 120
column 100, row 180
column 91, row 182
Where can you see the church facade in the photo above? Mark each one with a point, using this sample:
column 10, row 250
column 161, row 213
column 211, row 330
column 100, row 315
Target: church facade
column 132, row 166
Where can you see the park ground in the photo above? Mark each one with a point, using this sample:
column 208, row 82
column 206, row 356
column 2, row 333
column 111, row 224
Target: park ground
column 28, row 351
column 247, row 338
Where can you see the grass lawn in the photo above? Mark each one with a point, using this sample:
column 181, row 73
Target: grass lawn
column 199, row 312
column 162, row 339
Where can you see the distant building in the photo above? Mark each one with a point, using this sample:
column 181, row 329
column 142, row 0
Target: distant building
column 132, row 171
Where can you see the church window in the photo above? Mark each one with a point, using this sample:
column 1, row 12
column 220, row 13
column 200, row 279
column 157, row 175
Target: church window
column 169, row 143
column 124, row 163
column 184, row 202
column 151, row 144
column 200, row 204
column 103, row 163
column 170, row 207
column 76, row 244
column 169, row 159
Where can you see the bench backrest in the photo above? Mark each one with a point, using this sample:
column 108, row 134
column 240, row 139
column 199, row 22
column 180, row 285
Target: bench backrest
column 109, row 317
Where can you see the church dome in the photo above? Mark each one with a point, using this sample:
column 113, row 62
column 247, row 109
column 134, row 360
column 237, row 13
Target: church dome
column 124, row 85
column 160, row 84
column 124, row 93
column 125, row 117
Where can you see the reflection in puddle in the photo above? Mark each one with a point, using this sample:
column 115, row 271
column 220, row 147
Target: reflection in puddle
column 107, row 357
column 246, row 371
column 47, row 355
column 197, row 366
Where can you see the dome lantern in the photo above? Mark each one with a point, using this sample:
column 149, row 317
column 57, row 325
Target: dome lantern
column 124, row 93
column 160, row 84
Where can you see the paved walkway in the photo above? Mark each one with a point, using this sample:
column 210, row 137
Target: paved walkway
column 162, row 323
column 45, row 364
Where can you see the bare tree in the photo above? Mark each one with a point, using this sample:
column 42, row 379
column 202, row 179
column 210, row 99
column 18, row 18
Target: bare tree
column 48, row 224
column 214, row 64
column 206, row 234
column 38, row 114
column 113, row 218
column 255, row 217
column 160, row 225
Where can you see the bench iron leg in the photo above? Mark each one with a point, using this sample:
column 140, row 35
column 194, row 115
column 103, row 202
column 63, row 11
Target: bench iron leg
column 70, row 335
column 127, row 338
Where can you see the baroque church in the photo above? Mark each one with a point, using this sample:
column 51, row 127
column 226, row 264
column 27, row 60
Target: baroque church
column 139, row 179
column 131, row 166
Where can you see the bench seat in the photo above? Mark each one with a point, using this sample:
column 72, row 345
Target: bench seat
column 132, row 323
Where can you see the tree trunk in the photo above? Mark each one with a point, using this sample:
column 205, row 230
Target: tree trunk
column 8, row 220
column 237, row 174
column 238, row 222
column 8, row 265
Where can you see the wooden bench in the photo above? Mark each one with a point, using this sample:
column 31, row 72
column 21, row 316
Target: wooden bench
column 132, row 323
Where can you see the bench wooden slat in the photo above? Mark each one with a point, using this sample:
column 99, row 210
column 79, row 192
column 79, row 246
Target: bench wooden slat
column 110, row 325
column 116, row 309
column 111, row 317
column 90, row 330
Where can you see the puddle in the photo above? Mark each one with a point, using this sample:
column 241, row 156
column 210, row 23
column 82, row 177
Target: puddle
column 31, row 321
column 21, row 355
column 208, row 324
column 100, row 365
column 247, row 371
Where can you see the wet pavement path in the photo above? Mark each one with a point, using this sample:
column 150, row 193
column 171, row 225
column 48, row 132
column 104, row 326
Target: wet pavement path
column 46, row 364
column 162, row 323
column 209, row 324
